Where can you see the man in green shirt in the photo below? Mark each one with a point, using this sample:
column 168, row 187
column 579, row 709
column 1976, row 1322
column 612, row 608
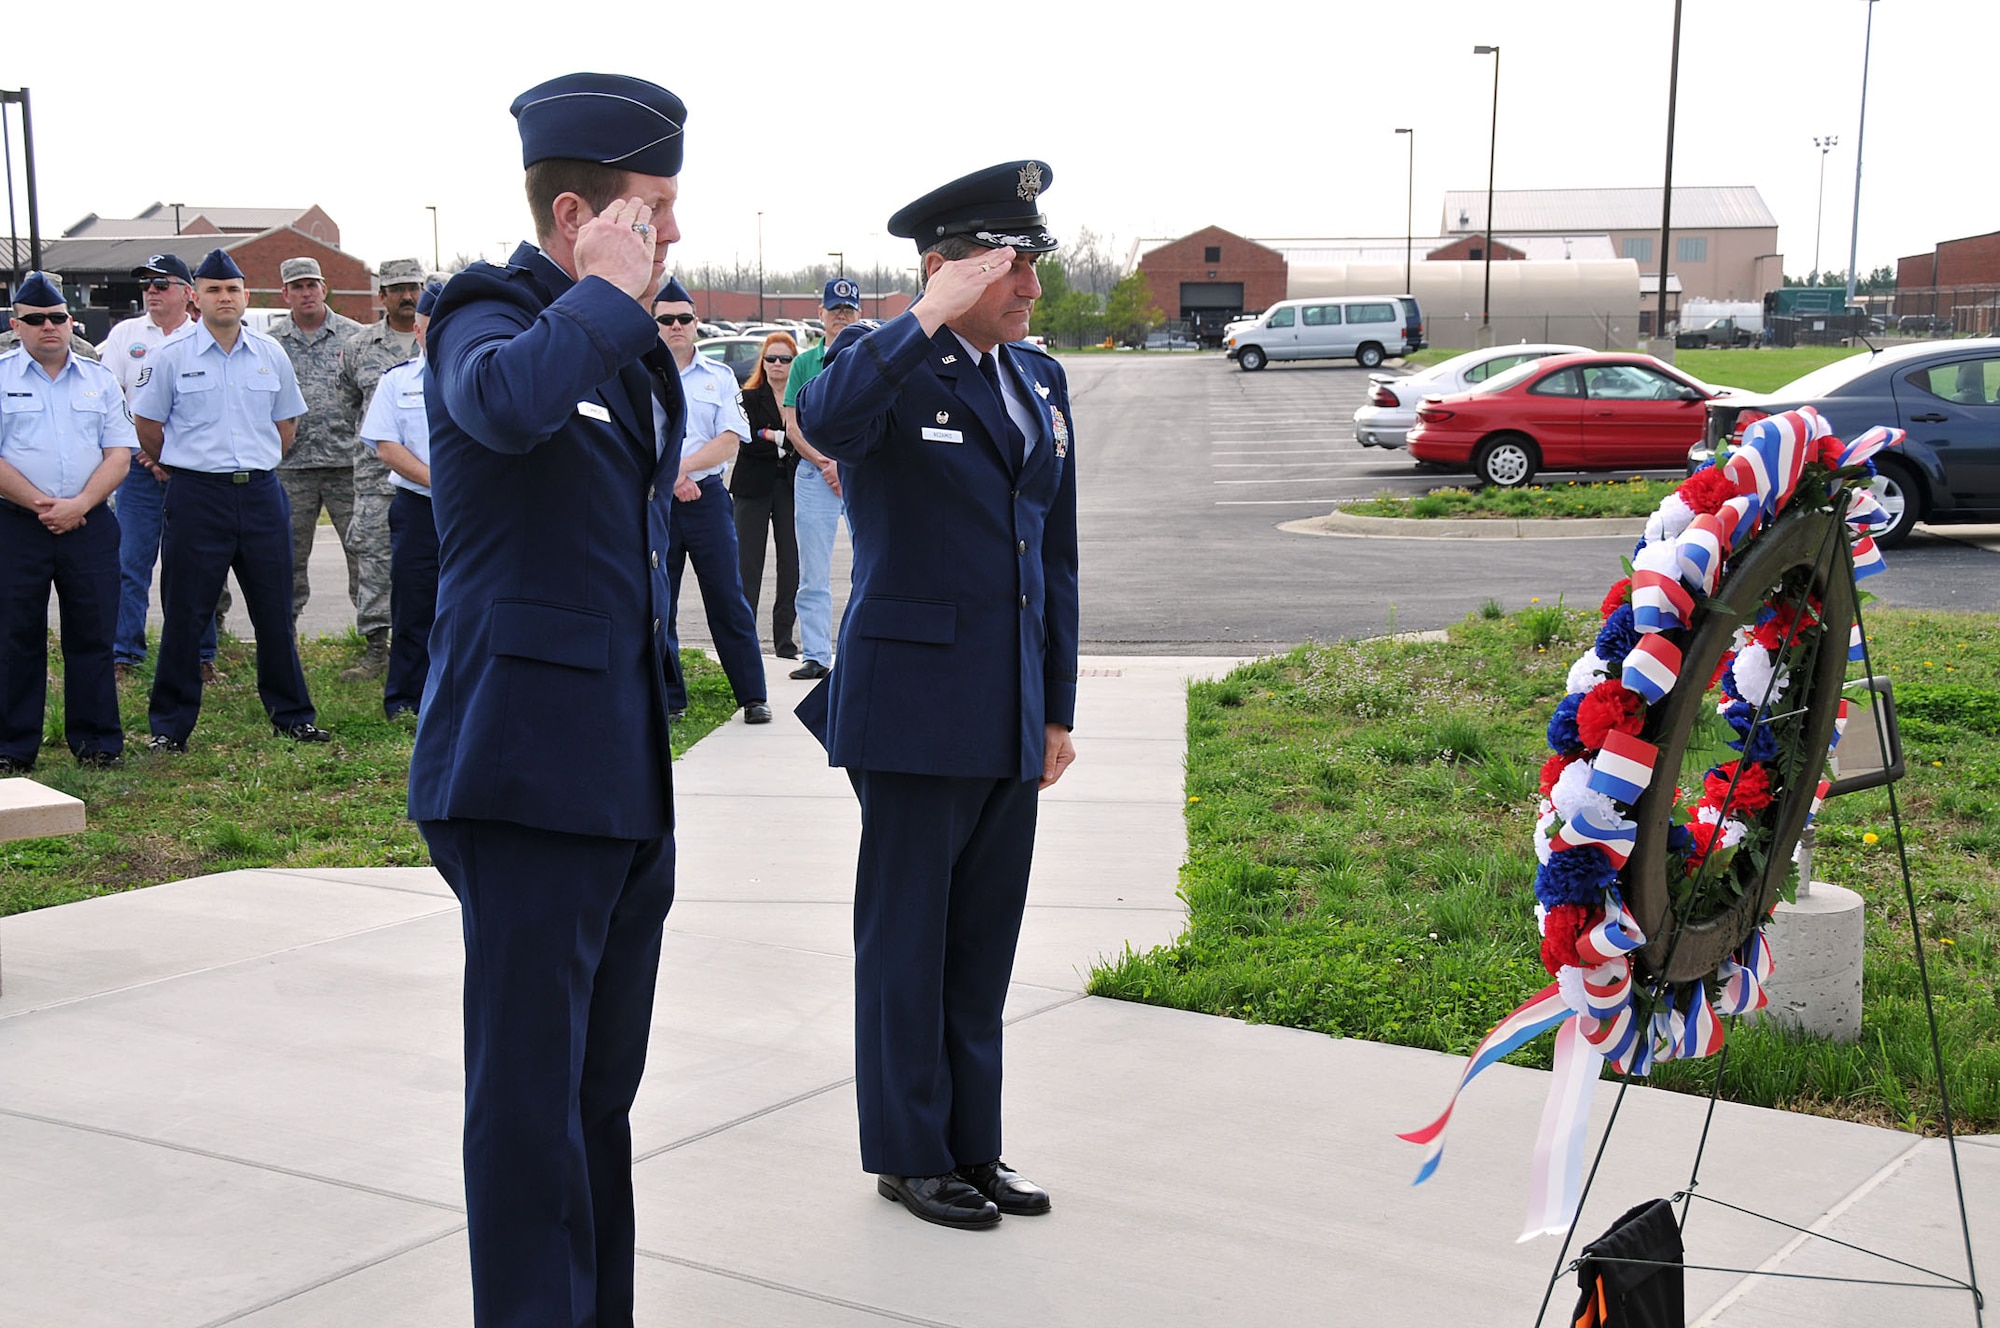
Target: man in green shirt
column 816, row 492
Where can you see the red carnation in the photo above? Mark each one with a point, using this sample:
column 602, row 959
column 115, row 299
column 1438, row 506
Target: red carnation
column 1616, row 596
column 1705, row 836
column 1609, row 707
column 1830, row 449
column 1706, row 491
column 1721, row 667
column 1560, row 929
column 1552, row 770
column 1753, row 786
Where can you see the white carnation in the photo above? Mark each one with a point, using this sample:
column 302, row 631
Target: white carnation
column 1569, row 985
column 1670, row 520
column 1544, row 822
column 1755, row 670
column 1664, row 558
column 1573, row 795
column 1587, row 672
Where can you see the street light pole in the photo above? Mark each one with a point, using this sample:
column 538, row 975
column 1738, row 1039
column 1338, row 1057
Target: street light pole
column 1492, row 147
column 760, row 267
column 1854, row 239
column 437, row 259
column 1410, row 209
column 19, row 97
column 1825, row 145
column 1667, row 190
column 840, row 257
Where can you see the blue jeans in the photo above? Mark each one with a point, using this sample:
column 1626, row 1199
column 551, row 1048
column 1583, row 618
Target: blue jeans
column 141, row 505
column 816, row 512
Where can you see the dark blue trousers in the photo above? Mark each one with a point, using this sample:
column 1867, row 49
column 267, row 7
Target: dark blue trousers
column 142, row 511
column 562, row 950
column 705, row 531
column 938, row 895
column 215, row 525
column 82, row 566
column 413, row 597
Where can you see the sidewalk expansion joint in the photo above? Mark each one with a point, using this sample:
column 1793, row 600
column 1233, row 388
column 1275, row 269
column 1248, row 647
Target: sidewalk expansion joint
column 880, row 1312
column 213, row 1156
column 313, row 874
column 314, row 1285
column 259, row 957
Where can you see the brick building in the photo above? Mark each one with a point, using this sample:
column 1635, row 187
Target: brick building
column 1211, row 276
column 1959, row 281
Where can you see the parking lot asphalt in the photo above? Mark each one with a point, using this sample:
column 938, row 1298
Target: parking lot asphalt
column 1187, row 468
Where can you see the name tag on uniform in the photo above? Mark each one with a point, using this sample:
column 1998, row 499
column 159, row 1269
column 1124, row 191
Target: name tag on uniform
column 943, row 436
column 591, row 410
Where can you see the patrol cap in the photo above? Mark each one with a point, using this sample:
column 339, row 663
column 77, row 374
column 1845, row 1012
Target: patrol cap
column 40, row 290
column 995, row 207
column 300, row 269
column 428, row 300
column 399, row 272
column 165, row 265
column 219, row 266
column 675, row 292
column 605, row 118
column 841, row 293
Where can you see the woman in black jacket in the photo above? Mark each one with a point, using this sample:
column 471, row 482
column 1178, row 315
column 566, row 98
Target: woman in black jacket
column 760, row 488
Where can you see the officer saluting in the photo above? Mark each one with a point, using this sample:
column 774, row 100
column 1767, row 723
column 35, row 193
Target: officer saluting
column 954, row 689
column 65, row 444
column 540, row 777
column 218, row 410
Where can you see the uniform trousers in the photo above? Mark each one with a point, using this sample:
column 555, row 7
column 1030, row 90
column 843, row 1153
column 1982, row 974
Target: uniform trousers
column 370, row 578
column 562, row 951
column 142, row 511
column 413, row 564
column 308, row 488
column 82, row 566
column 214, row 526
column 938, row 894
column 817, row 511
column 754, row 516
column 704, row 531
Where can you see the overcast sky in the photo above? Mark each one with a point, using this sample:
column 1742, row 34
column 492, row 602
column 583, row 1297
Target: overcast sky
column 1267, row 117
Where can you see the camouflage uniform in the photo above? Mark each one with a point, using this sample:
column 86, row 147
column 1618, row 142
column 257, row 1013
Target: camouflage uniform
column 368, row 354
column 320, row 470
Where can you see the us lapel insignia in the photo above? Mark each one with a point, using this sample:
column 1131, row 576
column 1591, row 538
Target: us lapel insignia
column 949, row 359
column 1062, row 432
column 944, row 417
column 1043, row 388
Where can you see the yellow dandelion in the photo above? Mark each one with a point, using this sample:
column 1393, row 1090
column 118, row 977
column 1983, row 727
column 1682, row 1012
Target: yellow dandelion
column 1938, row 764
column 1946, row 940
column 1870, row 838
column 1536, row 600
column 1194, row 798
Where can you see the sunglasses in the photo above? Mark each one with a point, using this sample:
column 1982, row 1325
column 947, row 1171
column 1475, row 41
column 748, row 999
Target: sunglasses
column 36, row 320
column 159, row 283
column 778, row 359
column 668, row 320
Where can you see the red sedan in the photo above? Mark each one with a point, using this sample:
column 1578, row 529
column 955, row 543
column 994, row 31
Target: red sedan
column 1566, row 412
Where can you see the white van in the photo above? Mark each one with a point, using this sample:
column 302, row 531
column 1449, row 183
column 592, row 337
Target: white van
column 1364, row 328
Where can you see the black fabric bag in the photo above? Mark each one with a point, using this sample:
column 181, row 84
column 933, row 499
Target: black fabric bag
column 1634, row 1295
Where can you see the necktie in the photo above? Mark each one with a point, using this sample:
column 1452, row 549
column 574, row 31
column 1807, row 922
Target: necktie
column 1013, row 438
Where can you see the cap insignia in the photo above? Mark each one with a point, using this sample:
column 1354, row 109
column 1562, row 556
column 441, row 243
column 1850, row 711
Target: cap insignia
column 944, row 417
column 1031, row 182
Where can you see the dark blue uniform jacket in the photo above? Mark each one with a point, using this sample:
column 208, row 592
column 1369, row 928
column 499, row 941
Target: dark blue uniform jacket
column 546, row 703
column 960, row 639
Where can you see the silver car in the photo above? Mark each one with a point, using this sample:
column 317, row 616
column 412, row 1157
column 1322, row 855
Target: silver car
column 1391, row 409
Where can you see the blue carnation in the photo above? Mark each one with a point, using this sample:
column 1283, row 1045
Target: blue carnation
column 1763, row 742
column 1679, row 838
column 1728, row 684
column 1563, row 736
column 1578, row 875
column 1617, row 637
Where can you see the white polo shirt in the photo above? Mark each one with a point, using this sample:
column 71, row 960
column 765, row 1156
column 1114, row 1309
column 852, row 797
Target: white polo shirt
column 129, row 345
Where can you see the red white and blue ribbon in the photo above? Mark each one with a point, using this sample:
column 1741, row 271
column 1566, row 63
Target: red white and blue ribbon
column 1868, row 444
column 1659, row 602
column 1615, row 839
column 1867, row 558
column 1651, row 667
column 1623, row 769
column 1555, row 1177
column 1534, row 1017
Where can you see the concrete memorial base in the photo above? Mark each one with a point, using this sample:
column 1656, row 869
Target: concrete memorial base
column 1816, row 950
column 31, row 811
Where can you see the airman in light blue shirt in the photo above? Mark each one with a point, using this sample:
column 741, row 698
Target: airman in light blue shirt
column 220, row 409
column 55, row 431
column 396, row 415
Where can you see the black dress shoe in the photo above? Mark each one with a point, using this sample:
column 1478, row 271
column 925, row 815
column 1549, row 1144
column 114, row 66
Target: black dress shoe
column 1011, row 1192
column 160, row 742
column 756, row 713
column 302, row 732
column 786, row 652
column 945, row 1200
column 100, row 760
column 675, row 716
column 14, row 765
column 809, row 670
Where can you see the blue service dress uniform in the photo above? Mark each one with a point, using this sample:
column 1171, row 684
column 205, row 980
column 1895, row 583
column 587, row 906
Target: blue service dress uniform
column 225, row 511
column 396, row 414
column 541, row 775
column 55, row 432
column 959, row 646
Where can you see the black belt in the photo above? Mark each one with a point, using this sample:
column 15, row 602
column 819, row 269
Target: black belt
column 219, row 476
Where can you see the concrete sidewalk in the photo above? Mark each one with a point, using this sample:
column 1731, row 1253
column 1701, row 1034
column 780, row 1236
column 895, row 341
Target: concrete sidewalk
column 236, row 1100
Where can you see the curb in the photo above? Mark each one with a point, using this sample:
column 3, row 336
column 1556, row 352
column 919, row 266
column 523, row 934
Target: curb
column 1342, row 525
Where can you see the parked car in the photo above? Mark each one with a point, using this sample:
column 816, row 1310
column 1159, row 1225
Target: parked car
column 739, row 353
column 1595, row 411
column 1367, row 328
column 1944, row 395
column 1924, row 325
column 1719, row 332
column 1392, row 401
column 1163, row 339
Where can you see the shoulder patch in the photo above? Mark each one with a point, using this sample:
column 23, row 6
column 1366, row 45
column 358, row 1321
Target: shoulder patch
column 145, row 376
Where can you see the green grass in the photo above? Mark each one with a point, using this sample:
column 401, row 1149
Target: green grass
column 1635, row 497
column 1360, row 859
column 242, row 798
